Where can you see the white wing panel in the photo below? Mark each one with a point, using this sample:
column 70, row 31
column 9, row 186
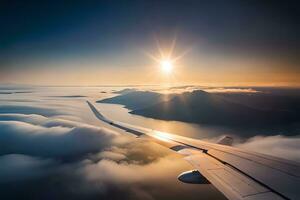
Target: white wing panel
column 271, row 176
column 232, row 183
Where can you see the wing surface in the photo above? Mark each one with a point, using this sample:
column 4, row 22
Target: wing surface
column 237, row 173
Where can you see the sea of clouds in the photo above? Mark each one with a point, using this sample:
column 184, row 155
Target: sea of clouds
column 53, row 148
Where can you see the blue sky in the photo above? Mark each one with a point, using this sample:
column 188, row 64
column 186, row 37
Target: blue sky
column 39, row 38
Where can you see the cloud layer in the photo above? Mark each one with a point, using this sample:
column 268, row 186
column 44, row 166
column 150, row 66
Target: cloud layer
column 51, row 150
column 278, row 145
column 98, row 162
column 53, row 141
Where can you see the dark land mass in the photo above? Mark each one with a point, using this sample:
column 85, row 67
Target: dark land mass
column 125, row 91
column 137, row 99
column 262, row 110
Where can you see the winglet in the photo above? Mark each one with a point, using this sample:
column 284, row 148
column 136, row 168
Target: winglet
column 112, row 123
column 226, row 140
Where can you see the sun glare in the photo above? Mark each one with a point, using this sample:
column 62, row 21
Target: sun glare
column 166, row 66
column 167, row 63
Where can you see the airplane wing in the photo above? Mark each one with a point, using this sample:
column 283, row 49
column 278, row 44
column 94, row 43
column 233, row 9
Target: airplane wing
column 238, row 174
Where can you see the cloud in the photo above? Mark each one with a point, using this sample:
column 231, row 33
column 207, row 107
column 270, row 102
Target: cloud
column 231, row 90
column 29, row 118
column 126, row 172
column 278, row 145
column 191, row 88
column 149, row 179
column 55, row 158
column 16, row 167
column 85, row 162
column 22, row 109
column 55, row 141
column 111, row 155
column 36, row 119
column 32, row 146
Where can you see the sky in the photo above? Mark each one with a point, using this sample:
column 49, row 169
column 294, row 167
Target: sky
column 109, row 42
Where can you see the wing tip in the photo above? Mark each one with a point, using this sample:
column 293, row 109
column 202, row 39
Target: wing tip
column 97, row 113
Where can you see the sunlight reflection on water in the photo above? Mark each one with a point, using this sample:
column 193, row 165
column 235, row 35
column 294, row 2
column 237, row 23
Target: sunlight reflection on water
column 119, row 113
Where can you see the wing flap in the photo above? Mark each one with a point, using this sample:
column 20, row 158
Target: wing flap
column 233, row 184
column 271, row 176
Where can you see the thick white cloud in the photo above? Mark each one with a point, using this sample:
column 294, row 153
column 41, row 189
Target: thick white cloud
column 103, row 163
column 32, row 145
column 278, row 145
column 24, row 138
column 147, row 179
column 231, row 90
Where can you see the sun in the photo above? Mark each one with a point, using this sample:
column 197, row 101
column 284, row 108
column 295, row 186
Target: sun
column 165, row 59
column 166, row 66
